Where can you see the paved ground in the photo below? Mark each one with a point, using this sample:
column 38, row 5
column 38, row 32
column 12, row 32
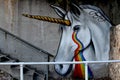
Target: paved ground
column 5, row 76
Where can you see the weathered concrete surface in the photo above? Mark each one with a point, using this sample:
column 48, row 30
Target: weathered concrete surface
column 114, row 68
column 42, row 34
column 5, row 76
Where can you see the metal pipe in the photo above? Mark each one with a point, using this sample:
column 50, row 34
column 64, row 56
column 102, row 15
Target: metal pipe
column 86, row 71
column 49, row 63
column 21, row 72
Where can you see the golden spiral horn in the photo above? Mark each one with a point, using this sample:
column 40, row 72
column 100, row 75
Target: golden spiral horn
column 49, row 19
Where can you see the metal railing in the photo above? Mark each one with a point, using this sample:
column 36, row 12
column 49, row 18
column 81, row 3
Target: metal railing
column 22, row 64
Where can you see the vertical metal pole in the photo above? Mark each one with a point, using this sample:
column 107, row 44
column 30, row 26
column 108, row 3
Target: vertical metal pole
column 86, row 71
column 21, row 72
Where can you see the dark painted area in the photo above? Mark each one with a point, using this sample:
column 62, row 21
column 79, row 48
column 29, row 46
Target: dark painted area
column 110, row 7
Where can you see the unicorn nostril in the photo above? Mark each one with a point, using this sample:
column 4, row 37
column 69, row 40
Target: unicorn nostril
column 61, row 66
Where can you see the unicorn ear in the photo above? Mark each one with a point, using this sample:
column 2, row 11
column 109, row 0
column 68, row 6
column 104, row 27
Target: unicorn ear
column 59, row 11
column 75, row 9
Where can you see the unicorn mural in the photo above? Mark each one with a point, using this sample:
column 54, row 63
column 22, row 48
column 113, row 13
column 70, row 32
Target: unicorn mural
column 85, row 37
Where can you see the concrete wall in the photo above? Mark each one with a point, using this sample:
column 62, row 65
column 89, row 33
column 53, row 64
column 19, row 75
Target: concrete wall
column 41, row 34
column 17, row 50
column 44, row 35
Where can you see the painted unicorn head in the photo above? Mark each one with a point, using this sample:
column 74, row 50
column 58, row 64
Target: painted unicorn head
column 85, row 37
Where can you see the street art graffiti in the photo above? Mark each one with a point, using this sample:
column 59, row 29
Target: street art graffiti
column 85, row 37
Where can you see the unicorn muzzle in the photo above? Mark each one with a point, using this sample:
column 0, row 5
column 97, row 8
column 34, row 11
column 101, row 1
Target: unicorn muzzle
column 49, row 19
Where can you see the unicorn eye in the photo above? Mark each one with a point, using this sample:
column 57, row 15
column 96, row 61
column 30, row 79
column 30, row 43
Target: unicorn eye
column 76, row 28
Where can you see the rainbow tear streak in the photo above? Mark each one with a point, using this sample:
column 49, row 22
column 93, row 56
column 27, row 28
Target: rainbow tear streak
column 79, row 71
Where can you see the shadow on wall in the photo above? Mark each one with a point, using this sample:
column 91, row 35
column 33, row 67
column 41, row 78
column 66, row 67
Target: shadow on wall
column 110, row 7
